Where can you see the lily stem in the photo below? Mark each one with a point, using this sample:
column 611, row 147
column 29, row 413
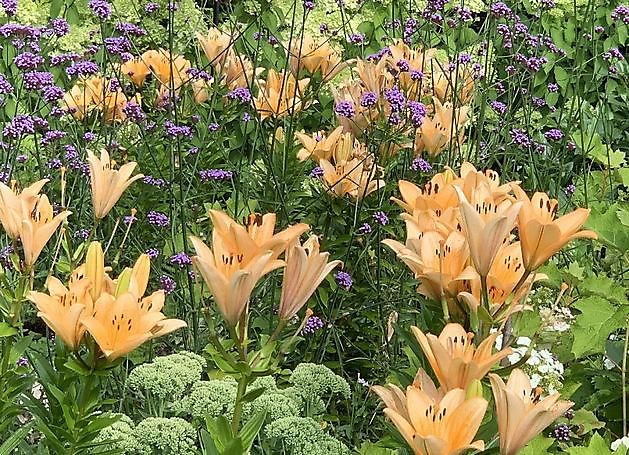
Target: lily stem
column 242, row 388
column 624, row 381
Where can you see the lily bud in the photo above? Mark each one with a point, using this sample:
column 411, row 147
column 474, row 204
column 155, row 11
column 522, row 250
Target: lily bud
column 474, row 390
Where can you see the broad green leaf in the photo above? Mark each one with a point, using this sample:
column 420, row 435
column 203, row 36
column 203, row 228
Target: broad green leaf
column 597, row 446
column 597, row 320
column 537, row 446
column 6, row 330
column 585, row 421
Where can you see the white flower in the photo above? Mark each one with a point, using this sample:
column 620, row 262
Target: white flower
column 535, row 380
column 609, row 365
column 618, row 442
column 524, row 341
column 362, row 381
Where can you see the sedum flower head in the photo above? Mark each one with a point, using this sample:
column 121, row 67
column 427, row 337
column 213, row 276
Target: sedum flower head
column 168, row 376
column 303, row 436
column 318, row 380
column 159, row 435
column 214, row 397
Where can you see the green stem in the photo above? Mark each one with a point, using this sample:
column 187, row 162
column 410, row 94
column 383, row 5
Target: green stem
column 242, row 388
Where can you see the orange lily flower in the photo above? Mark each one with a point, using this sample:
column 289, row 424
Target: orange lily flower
column 487, row 224
column 305, row 269
column 280, row 94
column 38, row 227
column 167, row 67
column 318, row 146
column 445, row 126
column 121, row 324
column 351, row 178
column 432, row 426
column 232, row 269
column 541, row 235
column 522, row 414
column 62, row 307
column 107, row 183
column 236, row 70
column 316, row 57
column 136, row 69
column 16, row 207
column 440, row 263
column 453, row 357
column 215, row 45
column 260, row 230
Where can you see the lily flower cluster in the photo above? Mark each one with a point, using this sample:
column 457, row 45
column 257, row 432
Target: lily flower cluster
column 461, row 240
column 347, row 166
column 240, row 255
column 395, row 83
column 115, row 312
column 97, row 93
column 27, row 216
column 232, row 70
column 444, row 419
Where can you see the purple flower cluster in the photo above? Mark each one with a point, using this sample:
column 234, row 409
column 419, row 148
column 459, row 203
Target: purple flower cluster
column 365, row 228
column 19, row 126
column 381, row 218
column 313, row 324
column 421, row 165
column 117, row 45
column 129, row 219
column 36, row 80
column 309, row 5
column 215, row 175
column 154, row 181
column 9, row 6
column 82, row 68
column 62, row 59
column 520, row 137
column 570, row 189
column 52, row 93
column 28, row 61
column 168, row 284
column 357, row 38
column 500, row 10
column 368, row 99
column 81, row 234
column 174, row 130
column 554, row 134
column 5, row 85
column 100, row 8
column 158, row 219
column 396, row 99
column 240, row 94
column 344, row 280
column 417, row 112
column 25, row 32
column 499, row 107
column 152, row 253
column 126, row 28
column 317, row 172
column 345, row 109
column 134, row 112
column 59, row 27
column 52, row 136
column 5, row 256
column 180, row 259
column 621, row 13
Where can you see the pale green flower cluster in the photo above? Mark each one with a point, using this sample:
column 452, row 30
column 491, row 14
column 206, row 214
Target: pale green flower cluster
column 168, row 376
column 214, row 397
column 158, row 435
column 303, row 436
column 152, row 436
column 345, row 18
column 318, row 380
column 563, row 8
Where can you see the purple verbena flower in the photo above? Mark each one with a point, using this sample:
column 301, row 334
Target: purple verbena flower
column 313, row 324
column 368, row 99
column 59, row 27
column 158, row 219
column 317, row 172
column 381, row 218
column 344, row 280
column 28, row 61
column 100, row 8
column 82, row 68
column 174, row 130
column 417, row 111
column 216, row 175
column 554, row 134
column 365, row 228
column 180, row 259
column 152, row 253
column 421, row 165
column 345, row 109
column 168, row 284
column 36, row 80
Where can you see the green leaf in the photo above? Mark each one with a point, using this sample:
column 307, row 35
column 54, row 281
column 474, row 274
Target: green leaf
column 597, row 320
column 6, row 330
column 597, row 446
column 585, row 421
column 250, row 430
column 250, row 396
column 14, row 440
column 606, row 226
column 537, row 446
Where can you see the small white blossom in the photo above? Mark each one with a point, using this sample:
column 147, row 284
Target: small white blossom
column 618, row 442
